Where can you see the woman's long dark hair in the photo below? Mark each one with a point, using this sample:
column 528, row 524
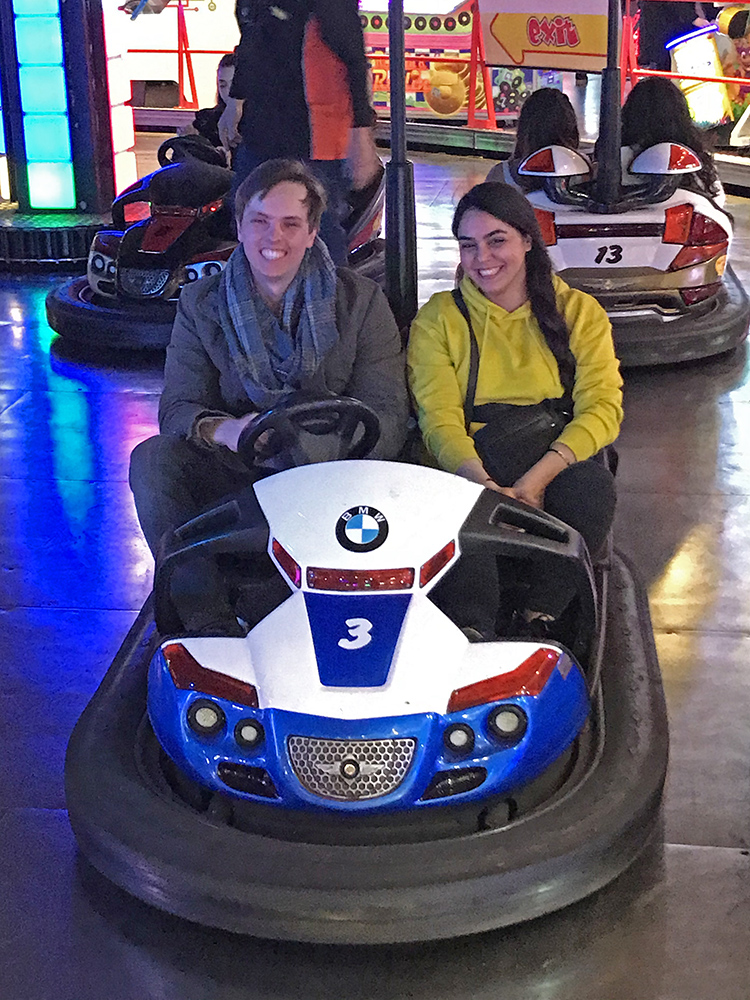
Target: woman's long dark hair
column 509, row 206
column 657, row 111
column 547, row 119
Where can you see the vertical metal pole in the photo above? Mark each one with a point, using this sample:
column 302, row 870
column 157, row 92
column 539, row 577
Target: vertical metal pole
column 400, row 212
column 608, row 179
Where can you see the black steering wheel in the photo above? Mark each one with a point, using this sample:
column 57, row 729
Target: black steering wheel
column 337, row 417
column 187, row 147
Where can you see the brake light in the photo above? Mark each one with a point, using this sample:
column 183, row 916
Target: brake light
column 688, row 256
column 528, row 678
column 677, row 224
column 546, row 222
column 435, row 563
column 189, row 675
column 359, row 579
column 542, row 162
column 692, row 295
column 213, row 206
column 286, row 562
column 704, row 230
column 682, row 158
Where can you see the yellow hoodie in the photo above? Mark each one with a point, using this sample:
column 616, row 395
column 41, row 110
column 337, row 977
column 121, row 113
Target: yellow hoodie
column 516, row 366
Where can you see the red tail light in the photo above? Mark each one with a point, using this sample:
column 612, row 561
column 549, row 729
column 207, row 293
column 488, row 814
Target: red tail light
column 692, row 295
column 528, row 678
column 704, row 231
column 189, row 675
column 677, row 224
column 681, row 158
column 213, row 206
column 359, row 579
column 697, row 255
column 286, row 562
column 541, row 163
column 546, row 222
column 433, row 565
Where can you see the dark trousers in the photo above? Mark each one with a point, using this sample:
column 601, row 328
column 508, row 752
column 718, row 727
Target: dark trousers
column 173, row 481
column 583, row 496
column 332, row 175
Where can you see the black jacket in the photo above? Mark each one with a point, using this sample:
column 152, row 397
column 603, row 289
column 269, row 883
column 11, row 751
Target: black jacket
column 269, row 71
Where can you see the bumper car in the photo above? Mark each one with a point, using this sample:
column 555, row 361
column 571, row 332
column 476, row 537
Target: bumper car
column 656, row 260
column 354, row 769
column 170, row 228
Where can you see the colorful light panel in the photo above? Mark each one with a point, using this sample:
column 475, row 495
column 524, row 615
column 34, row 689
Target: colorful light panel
column 44, row 104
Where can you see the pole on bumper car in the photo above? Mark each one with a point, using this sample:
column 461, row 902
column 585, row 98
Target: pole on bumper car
column 400, row 214
column 608, row 179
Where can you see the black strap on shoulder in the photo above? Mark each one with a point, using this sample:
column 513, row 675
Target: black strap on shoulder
column 471, row 387
column 564, row 403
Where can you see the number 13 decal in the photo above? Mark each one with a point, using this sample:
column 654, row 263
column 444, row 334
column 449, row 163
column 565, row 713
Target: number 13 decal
column 359, row 630
column 615, row 254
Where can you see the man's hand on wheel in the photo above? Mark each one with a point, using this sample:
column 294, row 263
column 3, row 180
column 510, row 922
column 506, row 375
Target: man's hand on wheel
column 228, row 431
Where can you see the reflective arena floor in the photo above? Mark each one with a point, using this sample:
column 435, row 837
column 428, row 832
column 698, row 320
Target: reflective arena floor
column 74, row 570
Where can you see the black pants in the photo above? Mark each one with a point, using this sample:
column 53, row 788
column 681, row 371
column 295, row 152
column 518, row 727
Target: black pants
column 583, row 496
column 173, row 481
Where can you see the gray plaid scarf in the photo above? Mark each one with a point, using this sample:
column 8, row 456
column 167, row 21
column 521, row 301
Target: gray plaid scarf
column 276, row 356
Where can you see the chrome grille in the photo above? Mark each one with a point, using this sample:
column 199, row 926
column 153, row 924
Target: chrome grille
column 350, row 770
column 143, row 281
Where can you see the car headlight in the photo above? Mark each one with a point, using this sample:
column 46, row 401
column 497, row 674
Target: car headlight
column 459, row 738
column 249, row 733
column 507, row 723
column 205, row 717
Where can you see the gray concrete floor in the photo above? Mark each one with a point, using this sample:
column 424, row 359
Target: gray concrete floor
column 74, row 571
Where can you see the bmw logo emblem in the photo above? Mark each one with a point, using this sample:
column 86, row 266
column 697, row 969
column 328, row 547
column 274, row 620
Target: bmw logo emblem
column 361, row 529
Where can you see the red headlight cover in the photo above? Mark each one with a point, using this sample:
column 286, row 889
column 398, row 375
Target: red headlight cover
column 189, row 675
column 435, row 563
column 359, row 579
column 528, row 678
column 290, row 567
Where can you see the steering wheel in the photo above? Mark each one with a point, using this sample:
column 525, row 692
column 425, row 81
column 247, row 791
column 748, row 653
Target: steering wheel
column 337, row 416
column 184, row 147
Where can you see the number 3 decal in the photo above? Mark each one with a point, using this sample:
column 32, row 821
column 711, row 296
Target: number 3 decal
column 359, row 630
column 614, row 251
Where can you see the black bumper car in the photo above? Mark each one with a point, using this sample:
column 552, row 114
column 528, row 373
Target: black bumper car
column 170, row 228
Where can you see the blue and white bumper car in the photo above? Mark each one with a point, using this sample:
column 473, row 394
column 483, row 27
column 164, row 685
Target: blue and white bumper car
column 355, row 769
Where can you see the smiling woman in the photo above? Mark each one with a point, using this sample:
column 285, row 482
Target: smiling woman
column 512, row 344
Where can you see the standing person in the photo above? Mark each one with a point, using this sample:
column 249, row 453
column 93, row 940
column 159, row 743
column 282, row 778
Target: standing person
column 301, row 86
column 278, row 319
column 535, row 336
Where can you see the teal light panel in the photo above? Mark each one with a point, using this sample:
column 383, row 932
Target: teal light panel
column 43, row 90
column 48, row 137
column 44, row 103
column 36, row 8
column 51, row 185
column 38, row 41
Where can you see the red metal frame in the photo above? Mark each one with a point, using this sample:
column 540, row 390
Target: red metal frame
column 479, row 60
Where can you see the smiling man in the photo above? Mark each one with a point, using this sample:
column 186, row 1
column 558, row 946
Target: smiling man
column 279, row 319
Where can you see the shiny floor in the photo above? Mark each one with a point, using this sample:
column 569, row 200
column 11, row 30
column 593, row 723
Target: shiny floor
column 74, row 570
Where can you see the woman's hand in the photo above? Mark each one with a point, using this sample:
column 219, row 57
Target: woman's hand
column 473, row 470
column 532, row 484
